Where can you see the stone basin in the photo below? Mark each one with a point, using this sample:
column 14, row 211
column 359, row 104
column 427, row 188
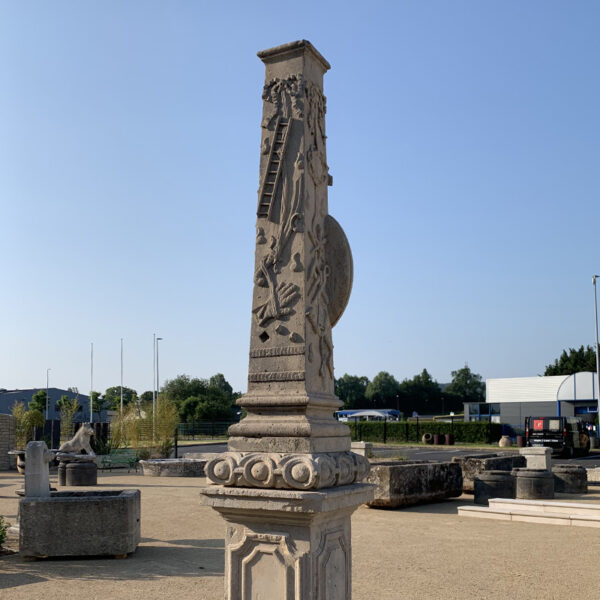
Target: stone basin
column 96, row 523
column 173, row 467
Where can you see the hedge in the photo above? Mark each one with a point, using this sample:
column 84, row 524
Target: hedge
column 410, row 431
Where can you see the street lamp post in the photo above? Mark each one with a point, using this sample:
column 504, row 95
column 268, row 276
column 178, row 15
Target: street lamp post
column 153, row 388
column 47, row 387
column 597, row 358
column 121, row 379
column 48, row 405
column 158, row 339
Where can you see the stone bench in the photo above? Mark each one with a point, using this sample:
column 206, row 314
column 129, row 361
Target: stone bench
column 400, row 483
column 474, row 464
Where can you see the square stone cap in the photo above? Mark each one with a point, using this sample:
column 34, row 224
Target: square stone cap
column 535, row 450
column 290, row 501
column 291, row 49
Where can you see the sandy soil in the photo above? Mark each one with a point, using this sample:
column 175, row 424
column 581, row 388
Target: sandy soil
column 426, row 552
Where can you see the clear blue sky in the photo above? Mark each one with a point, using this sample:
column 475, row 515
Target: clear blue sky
column 464, row 142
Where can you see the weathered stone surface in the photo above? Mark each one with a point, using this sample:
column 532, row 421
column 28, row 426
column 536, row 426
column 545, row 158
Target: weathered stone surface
column 292, row 471
column 400, row 484
column 80, row 441
column 303, row 269
column 493, row 484
column 174, row 467
column 593, row 475
column 473, row 465
column 570, row 479
column 533, row 484
column 37, row 476
column 362, row 448
column 287, row 543
column 80, row 524
column 81, row 473
column 539, row 457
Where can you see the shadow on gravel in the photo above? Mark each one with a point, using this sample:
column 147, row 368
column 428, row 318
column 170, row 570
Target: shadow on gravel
column 170, row 559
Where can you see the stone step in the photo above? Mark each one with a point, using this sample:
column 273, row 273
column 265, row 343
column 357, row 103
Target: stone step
column 544, row 506
column 532, row 514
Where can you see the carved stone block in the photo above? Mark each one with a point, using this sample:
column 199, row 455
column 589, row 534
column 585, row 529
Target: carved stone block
column 289, row 545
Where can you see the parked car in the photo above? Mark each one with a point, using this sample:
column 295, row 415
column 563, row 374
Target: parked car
column 567, row 436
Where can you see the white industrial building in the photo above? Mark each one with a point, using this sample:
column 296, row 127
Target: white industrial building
column 510, row 400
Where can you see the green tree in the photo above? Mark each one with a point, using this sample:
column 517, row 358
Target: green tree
column 351, row 390
column 38, row 401
column 421, row 394
column 466, row 385
column 574, row 361
column 383, row 391
column 146, row 397
column 112, row 397
column 218, row 381
column 182, row 387
column 67, row 407
column 98, row 404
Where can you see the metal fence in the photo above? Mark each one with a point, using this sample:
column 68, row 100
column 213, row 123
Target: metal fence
column 202, row 430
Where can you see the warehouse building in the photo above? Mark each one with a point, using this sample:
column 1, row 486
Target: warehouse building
column 510, row 400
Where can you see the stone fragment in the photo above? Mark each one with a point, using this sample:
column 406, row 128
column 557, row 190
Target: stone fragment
column 400, row 483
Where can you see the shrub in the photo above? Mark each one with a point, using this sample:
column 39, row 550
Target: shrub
column 403, row 431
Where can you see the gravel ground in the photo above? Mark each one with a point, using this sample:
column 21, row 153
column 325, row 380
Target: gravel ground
column 426, row 552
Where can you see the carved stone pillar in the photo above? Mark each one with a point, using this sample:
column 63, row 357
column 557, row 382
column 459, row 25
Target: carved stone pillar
column 289, row 483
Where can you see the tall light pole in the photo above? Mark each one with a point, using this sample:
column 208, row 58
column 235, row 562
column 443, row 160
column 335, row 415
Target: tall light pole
column 121, row 378
column 158, row 339
column 153, row 388
column 597, row 358
column 92, row 383
column 47, row 387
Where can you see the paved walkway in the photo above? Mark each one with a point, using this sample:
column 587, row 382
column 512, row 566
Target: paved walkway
column 422, row 553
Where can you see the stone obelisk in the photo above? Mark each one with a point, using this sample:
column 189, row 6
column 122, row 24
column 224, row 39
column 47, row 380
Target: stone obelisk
column 289, row 483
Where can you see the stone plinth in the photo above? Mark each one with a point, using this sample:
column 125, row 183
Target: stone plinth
column 80, row 524
column 537, row 457
column 362, row 448
column 474, row 465
column 533, row 484
column 570, row 479
column 493, row 484
column 173, row 467
column 287, row 544
column 399, row 484
column 81, row 474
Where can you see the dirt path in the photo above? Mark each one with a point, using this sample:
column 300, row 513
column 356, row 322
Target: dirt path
column 422, row 553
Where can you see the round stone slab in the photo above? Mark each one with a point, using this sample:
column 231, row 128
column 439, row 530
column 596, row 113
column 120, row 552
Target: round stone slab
column 341, row 269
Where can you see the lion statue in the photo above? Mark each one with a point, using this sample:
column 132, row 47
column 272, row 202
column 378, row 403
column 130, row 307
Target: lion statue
column 80, row 441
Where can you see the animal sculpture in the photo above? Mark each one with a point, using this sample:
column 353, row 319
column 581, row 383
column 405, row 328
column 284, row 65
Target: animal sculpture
column 80, row 441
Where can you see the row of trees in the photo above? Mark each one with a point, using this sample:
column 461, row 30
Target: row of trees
column 421, row 394
column 194, row 398
column 573, row 361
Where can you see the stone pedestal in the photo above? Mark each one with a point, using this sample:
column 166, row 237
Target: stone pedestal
column 287, row 544
column 81, row 474
column 537, row 457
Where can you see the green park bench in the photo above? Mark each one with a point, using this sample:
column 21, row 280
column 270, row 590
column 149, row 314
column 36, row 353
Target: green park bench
column 120, row 458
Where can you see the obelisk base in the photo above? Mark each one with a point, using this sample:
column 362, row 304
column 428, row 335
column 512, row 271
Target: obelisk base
column 288, row 544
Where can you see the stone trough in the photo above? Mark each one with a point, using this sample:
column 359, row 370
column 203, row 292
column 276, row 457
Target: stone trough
column 97, row 523
column 400, row 483
column 174, row 467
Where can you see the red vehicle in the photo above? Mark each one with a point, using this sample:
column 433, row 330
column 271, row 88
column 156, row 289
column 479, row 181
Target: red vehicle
column 567, row 436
